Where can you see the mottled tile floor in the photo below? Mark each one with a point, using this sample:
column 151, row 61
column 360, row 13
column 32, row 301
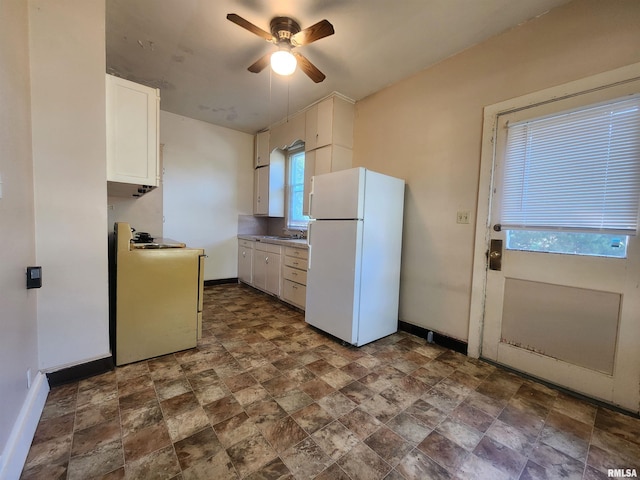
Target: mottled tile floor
column 264, row 396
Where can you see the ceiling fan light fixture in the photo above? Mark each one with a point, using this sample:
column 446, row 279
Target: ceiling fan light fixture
column 283, row 62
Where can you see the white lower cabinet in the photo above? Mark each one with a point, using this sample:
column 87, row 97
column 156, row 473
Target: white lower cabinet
column 266, row 267
column 294, row 273
column 275, row 269
column 245, row 261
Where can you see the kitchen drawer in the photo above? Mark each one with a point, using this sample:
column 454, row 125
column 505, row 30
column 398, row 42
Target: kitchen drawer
column 300, row 263
column 294, row 293
column 246, row 243
column 268, row 247
column 296, row 252
column 295, row 275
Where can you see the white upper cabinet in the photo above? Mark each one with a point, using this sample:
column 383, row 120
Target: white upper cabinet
column 269, row 187
column 132, row 133
column 329, row 122
column 328, row 140
column 262, row 149
column 288, row 132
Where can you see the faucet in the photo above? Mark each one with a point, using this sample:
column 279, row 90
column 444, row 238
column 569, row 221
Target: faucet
column 297, row 233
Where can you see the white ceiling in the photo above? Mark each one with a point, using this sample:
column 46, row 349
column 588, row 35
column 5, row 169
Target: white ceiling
column 199, row 59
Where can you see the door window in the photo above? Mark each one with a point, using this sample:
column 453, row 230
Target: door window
column 571, row 180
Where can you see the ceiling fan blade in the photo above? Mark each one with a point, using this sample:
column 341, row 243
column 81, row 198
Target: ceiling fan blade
column 260, row 64
column 309, row 68
column 238, row 20
column 315, row 32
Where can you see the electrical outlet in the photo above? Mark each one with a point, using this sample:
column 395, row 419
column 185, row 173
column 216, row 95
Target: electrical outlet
column 462, row 217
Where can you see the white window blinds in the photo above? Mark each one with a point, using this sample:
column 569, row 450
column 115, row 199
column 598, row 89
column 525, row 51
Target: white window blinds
column 577, row 170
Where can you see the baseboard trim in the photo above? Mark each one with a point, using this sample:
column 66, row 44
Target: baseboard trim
column 220, row 281
column 438, row 338
column 78, row 372
column 17, row 447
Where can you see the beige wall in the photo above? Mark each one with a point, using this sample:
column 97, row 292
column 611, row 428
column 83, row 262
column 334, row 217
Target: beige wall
column 144, row 213
column 67, row 49
column 427, row 130
column 18, row 340
column 207, row 183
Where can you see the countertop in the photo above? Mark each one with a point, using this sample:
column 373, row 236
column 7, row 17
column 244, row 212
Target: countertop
column 286, row 241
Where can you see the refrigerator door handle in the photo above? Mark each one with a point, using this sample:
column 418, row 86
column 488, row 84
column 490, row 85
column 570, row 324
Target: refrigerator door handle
column 310, row 204
column 309, row 227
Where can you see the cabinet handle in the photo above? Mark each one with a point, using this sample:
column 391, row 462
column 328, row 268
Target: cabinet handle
column 266, row 259
column 294, row 274
column 244, row 254
column 295, row 287
column 294, row 263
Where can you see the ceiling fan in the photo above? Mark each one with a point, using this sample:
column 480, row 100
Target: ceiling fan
column 286, row 35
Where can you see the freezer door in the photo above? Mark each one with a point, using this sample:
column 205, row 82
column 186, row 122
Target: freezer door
column 338, row 195
column 333, row 277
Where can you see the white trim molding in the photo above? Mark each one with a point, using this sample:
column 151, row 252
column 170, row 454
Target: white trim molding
column 17, row 447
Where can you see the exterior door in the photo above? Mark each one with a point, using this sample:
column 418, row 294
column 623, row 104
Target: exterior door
column 571, row 319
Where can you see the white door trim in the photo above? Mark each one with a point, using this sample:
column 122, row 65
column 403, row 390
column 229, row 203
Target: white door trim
column 491, row 113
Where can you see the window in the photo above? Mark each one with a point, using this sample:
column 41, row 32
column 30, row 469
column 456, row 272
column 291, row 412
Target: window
column 295, row 186
column 572, row 180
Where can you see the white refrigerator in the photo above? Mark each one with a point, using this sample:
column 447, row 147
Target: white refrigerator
column 355, row 243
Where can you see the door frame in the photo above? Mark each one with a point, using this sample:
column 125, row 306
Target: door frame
column 618, row 76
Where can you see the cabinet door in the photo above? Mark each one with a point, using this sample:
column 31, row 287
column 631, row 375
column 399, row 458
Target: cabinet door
column 324, row 129
column 294, row 293
column 272, row 261
column 323, row 162
column 132, row 132
column 261, row 191
column 309, row 169
column 245, row 264
column 262, row 149
column 311, row 128
column 260, row 269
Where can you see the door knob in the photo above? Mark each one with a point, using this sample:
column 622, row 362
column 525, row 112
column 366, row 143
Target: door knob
column 495, row 254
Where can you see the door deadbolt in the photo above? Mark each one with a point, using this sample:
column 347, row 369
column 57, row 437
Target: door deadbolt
column 495, row 254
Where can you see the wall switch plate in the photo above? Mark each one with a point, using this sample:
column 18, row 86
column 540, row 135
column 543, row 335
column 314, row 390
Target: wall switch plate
column 462, row 216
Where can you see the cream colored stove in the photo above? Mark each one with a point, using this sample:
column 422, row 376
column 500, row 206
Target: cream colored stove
column 159, row 288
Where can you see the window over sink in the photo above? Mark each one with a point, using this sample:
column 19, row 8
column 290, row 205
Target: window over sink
column 295, row 190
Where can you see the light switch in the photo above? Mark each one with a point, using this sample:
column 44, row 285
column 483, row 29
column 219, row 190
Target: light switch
column 462, row 217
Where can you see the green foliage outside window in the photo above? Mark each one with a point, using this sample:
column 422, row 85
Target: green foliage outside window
column 572, row 243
